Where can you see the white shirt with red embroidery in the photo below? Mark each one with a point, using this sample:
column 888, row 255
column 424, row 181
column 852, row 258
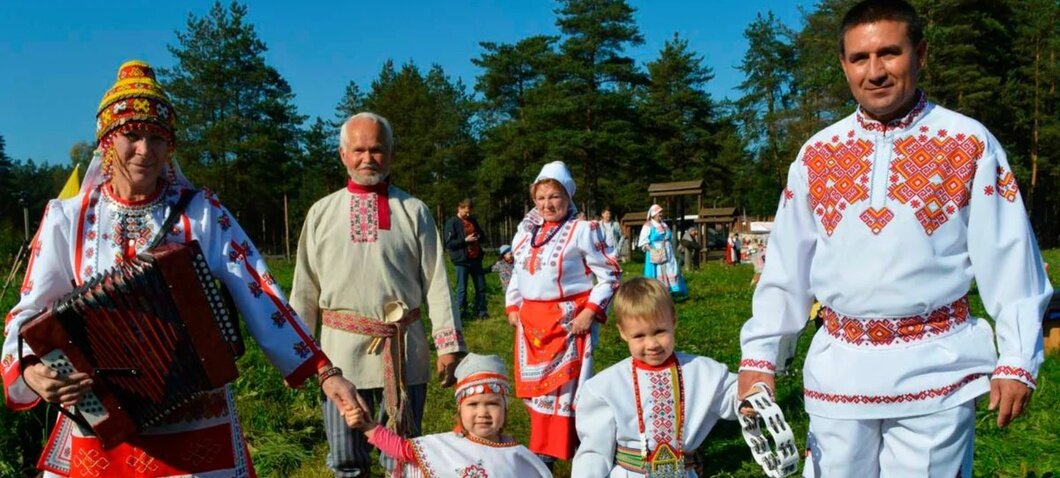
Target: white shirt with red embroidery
column 607, row 411
column 347, row 262
column 563, row 266
column 887, row 225
column 94, row 231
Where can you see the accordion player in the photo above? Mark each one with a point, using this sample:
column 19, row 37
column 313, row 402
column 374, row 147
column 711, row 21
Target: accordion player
column 153, row 333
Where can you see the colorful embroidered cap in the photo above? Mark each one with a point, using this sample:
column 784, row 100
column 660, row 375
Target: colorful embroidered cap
column 481, row 374
column 135, row 97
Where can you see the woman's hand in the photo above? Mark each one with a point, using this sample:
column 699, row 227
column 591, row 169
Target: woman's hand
column 55, row 389
column 513, row 318
column 582, row 322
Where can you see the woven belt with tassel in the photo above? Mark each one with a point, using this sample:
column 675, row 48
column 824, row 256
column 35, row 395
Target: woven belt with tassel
column 388, row 338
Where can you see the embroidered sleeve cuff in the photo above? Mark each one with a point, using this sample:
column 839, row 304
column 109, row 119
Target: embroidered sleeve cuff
column 17, row 395
column 753, row 365
column 307, row 369
column 1015, row 373
column 511, row 308
column 449, row 340
column 601, row 314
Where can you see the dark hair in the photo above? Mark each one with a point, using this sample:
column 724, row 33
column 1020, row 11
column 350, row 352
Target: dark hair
column 872, row 11
column 466, row 202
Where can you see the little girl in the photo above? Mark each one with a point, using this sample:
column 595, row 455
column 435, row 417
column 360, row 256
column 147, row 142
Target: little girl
column 476, row 446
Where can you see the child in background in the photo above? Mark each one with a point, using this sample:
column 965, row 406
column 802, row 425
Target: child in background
column 676, row 398
column 504, row 266
column 476, row 447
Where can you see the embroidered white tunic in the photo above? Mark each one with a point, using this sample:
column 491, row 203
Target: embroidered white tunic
column 448, row 455
column 94, row 231
column 347, row 263
column 887, row 225
column 607, row 414
column 564, row 267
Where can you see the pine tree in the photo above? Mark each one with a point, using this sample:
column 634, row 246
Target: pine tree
column 238, row 129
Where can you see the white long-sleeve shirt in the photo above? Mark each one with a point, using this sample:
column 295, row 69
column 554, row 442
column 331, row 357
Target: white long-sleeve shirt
column 881, row 222
column 564, row 267
column 607, row 411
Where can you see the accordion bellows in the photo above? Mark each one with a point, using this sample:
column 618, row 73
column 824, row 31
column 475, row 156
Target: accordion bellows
column 153, row 333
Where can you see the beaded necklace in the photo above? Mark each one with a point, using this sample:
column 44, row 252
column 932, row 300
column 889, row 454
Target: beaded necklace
column 679, row 408
column 490, row 443
column 533, row 236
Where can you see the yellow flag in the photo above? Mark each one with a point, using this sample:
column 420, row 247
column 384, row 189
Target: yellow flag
column 73, row 184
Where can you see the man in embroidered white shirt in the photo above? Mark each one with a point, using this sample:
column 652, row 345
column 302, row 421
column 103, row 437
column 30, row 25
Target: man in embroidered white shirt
column 368, row 258
column 887, row 217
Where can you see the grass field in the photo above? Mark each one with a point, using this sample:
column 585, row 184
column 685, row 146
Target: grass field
column 709, row 324
column 285, row 431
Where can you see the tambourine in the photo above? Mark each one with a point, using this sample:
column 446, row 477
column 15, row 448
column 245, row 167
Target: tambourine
column 785, row 460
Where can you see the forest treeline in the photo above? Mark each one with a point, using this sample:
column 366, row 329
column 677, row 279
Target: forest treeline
column 579, row 97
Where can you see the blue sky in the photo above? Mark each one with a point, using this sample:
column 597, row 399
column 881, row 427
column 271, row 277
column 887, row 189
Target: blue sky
column 58, row 57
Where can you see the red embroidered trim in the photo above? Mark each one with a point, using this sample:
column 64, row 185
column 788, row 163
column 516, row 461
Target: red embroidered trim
column 838, row 174
column 448, row 339
column 760, row 364
column 900, row 123
column 933, row 175
column 876, row 219
column 889, row 399
column 1006, row 185
column 1015, row 372
column 887, row 331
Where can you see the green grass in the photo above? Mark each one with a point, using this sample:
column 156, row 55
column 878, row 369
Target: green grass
column 286, row 435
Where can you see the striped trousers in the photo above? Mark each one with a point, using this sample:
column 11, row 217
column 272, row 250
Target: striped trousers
column 349, row 453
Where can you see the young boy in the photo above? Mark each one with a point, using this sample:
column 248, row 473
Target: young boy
column 477, row 446
column 647, row 414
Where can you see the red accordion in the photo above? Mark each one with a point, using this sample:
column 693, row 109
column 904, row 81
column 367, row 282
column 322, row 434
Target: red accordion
column 154, row 334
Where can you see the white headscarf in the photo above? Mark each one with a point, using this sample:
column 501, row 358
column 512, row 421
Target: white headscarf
column 645, row 232
column 558, row 171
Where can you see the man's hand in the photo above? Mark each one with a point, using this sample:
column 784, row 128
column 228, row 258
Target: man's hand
column 343, row 394
column 513, row 318
column 745, row 385
column 581, row 324
column 447, row 369
column 54, row 389
column 1013, row 397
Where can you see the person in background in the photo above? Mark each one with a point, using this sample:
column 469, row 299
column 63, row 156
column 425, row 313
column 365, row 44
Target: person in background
column 504, row 266
column 463, row 239
column 690, row 247
column 660, row 262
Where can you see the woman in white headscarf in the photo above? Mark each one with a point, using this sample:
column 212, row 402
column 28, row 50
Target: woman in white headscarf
column 660, row 263
column 556, row 308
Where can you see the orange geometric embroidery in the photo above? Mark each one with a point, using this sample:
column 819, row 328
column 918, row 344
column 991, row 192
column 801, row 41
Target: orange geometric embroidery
column 141, row 462
column 877, row 219
column 838, row 177
column 1006, row 185
column 933, row 175
column 91, row 462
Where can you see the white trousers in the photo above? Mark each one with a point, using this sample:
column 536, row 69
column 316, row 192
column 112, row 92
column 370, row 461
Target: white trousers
column 935, row 445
